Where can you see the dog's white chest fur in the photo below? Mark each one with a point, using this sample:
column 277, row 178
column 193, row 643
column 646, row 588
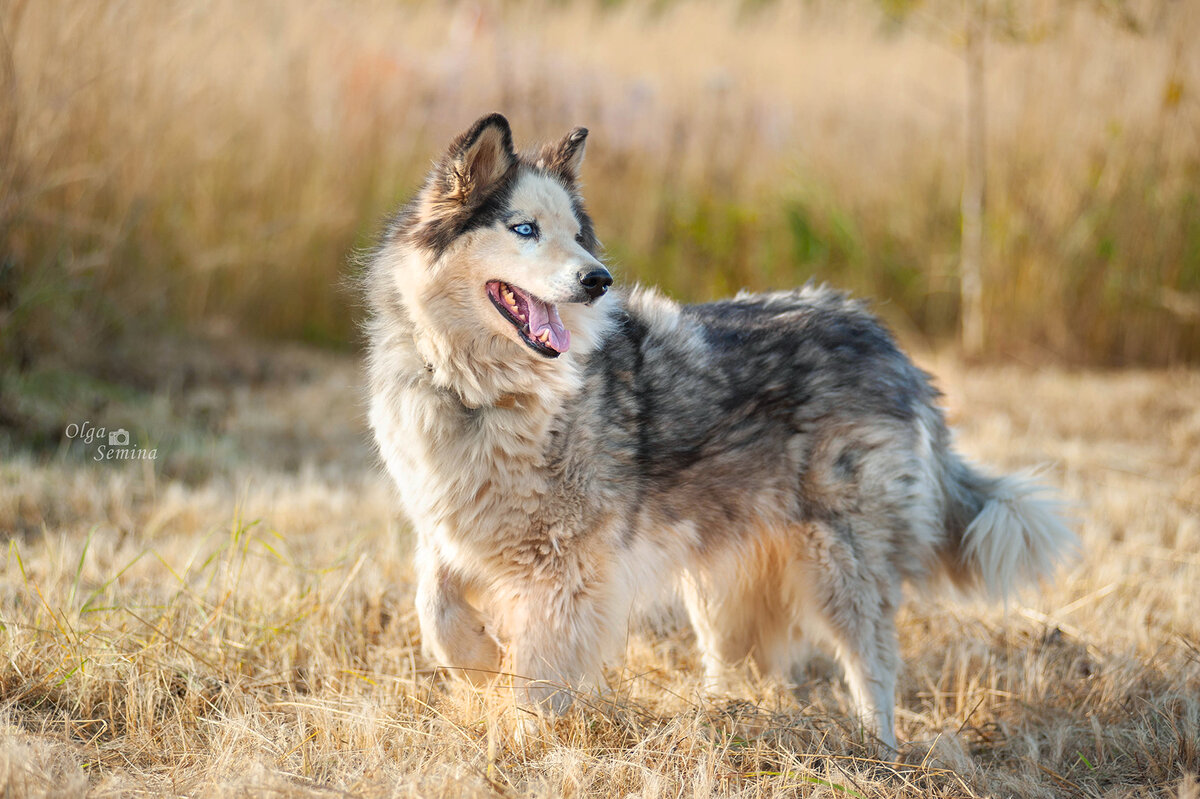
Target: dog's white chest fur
column 469, row 471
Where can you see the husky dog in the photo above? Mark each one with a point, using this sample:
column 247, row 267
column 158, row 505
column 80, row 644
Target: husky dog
column 563, row 450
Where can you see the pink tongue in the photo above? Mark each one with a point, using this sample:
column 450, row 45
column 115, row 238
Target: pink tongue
column 545, row 317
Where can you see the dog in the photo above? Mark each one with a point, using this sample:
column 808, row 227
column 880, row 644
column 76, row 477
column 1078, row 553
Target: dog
column 564, row 451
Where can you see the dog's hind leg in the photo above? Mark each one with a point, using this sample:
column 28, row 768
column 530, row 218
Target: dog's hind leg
column 724, row 621
column 740, row 616
column 853, row 595
column 453, row 632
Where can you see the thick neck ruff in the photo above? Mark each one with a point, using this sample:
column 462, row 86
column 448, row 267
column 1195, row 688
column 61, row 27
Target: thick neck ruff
column 473, row 399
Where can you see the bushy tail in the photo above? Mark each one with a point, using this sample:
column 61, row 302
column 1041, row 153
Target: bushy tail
column 1002, row 532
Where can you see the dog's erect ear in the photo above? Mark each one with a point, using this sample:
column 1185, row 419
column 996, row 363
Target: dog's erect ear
column 477, row 160
column 565, row 157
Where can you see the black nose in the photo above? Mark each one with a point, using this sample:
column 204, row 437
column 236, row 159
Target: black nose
column 595, row 281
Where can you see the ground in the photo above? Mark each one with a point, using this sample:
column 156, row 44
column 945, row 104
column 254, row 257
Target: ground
column 235, row 617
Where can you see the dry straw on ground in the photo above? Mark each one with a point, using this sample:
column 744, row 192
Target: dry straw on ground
column 238, row 621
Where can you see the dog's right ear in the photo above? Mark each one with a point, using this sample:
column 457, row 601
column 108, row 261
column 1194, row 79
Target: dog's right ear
column 477, row 160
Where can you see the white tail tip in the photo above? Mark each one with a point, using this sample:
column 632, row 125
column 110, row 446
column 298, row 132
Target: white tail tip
column 1019, row 537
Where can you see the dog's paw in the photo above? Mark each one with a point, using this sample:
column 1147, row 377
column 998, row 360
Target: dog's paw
column 469, row 652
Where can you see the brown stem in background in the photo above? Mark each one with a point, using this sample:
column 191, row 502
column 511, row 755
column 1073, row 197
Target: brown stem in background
column 974, row 182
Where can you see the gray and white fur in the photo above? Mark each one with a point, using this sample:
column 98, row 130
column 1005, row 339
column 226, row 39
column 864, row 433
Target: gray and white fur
column 564, row 451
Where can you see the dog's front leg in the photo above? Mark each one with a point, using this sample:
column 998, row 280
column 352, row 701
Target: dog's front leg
column 453, row 632
column 558, row 637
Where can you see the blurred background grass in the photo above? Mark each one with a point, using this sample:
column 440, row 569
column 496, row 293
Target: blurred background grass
column 200, row 171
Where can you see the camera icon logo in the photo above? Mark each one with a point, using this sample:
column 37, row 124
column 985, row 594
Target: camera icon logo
column 118, row 438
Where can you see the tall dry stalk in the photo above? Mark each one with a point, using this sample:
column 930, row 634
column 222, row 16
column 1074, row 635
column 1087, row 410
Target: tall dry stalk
column 974, row 181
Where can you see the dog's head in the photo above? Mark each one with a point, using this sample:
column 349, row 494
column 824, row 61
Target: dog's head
column 500, row 249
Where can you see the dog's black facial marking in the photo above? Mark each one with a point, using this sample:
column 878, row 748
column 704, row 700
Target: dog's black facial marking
column 436, row 235
column 562, row 161
column 587, row 234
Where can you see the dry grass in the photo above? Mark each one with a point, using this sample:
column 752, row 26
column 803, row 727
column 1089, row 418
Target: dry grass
column 238, row 621
column 210, row 166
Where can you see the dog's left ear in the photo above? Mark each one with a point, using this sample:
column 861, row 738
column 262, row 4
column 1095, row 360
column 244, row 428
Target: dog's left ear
column 565, row 157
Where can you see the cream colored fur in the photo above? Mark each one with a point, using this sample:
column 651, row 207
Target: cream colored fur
column 472, row 495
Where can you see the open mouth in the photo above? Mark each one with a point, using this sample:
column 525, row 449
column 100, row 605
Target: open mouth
column 537, row 322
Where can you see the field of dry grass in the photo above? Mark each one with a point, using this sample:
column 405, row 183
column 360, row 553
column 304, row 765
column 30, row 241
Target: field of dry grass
column 236, row 619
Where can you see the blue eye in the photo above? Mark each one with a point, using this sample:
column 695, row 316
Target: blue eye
column 525, row 230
